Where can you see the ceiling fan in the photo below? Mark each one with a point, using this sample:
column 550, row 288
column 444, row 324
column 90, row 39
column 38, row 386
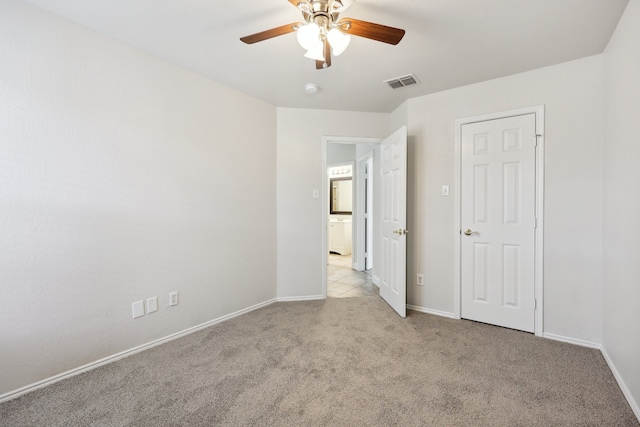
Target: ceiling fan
column 323, row 31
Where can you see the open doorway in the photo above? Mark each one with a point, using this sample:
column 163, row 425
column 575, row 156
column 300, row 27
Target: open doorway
column 349, row 210
column 345, row 282
column 390, row 220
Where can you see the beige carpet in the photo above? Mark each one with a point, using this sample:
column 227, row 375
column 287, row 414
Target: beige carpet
column 340, row 362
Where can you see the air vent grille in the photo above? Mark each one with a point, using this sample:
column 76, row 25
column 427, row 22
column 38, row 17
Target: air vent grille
column 403, row 81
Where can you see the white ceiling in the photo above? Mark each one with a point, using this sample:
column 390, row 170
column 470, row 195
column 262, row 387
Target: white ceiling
column 448, row 43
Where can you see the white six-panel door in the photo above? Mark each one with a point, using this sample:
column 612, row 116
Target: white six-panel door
column 498, row 222
column 393, row 258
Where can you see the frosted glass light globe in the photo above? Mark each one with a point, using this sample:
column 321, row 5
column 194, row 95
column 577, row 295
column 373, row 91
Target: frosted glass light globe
column 338, row 41
column 308, row 35
column 317, row 52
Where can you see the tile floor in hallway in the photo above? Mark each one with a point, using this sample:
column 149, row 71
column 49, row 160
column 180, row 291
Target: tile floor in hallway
column 344, row 282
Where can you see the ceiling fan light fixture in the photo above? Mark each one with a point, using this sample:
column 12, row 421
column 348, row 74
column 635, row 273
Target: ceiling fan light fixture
column 308, row 35
column 323, row 33
column 317, row 52
column 338, row 41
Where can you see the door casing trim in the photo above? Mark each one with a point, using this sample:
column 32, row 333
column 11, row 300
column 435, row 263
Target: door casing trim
column 360, row 263
column 539, row 209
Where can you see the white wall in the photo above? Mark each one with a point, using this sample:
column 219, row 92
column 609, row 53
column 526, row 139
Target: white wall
column 121, row 178
column 573, row 96
column 299, row 172
column 621, row 277
column 400, row 116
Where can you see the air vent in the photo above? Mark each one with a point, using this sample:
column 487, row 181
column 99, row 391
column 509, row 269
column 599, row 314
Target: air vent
column 403, row 81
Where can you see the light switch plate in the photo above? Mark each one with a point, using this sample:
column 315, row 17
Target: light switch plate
column 173, row 298
column 138, row 309
column 152, row 304
column 316, row 194
column 445, row 190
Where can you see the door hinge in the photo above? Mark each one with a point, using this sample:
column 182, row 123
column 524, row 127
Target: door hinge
column 535, row 304
column 366, row 255
column 535, row 223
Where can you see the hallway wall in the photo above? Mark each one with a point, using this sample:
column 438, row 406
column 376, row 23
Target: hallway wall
column 341, row 153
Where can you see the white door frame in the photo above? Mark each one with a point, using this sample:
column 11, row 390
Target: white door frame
column 539, row 208
column 360, row 231
column 324, row 196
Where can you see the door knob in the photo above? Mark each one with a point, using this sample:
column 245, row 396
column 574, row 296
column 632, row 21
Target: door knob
column 468, row 232
column 400, row 232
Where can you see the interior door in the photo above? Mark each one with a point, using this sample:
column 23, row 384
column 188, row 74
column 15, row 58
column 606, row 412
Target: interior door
column 498, row 222
column 393, row 259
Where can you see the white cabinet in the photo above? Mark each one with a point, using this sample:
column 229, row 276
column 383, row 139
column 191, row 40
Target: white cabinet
column 340, row 237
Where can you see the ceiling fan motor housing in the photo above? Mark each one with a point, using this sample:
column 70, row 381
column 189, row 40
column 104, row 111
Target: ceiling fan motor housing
column 323, row 13
column 321, row 6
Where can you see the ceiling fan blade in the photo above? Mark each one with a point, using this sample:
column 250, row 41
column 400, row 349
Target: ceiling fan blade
column 372, row 31
column 320, row 65
column 274, row 32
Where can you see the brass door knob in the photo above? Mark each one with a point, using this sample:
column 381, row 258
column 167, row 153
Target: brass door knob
column 468, row 232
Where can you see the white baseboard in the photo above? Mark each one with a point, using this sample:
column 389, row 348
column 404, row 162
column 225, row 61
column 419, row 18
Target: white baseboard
column 581, row 343
column 303, row 298
column 635, row 407
column 431, row 311
column 90, row 366
column 376, row 280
